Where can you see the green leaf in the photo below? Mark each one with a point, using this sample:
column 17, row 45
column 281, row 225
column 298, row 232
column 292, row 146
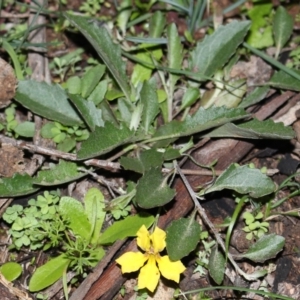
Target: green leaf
column 265, row 248
column 103, row 140
column 190, row 97
column 61, row 173
column 11, row 270
column 183, row 235
column 99, row 92
column 285, row 81
column 282, row 28
column 66, row 145
column 90, row 80
column 87, row 109
column 214, row 51
column 147, row 160
column 216, row 265
column 202, row 120
column 109, row 52
column 73, row 211
column 153, row 190
column 74, row 85
column 243, row 180
column 254, row 129
column 18, row 185
column 254, row 97
column 157, row 24
column 131, row 163
column 175, row 54
column 150, row 104
column 48, row 273
column 25, row 129
column 94, row 208
column 141, row 72
column 128, row 227
column 48, row 101
column 260, row 35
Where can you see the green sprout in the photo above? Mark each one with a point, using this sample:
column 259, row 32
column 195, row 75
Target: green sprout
column 65, row 137
column 91, row 7
column 38, row 225
column 14, row 128
column 254, row 228
column 63, row 65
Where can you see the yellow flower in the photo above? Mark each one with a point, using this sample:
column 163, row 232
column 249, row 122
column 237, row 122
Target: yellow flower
column 149, row 275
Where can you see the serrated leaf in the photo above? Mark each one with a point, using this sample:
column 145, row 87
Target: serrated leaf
column 25, row 129
column 72, row 211
column 265, row 248
column 183, row 235
column 18, row 185
column 104, row 139
column 90, row 80
column 202, row 120
column 175, row 55
column 89, row 112
column 156, row 24
column 285, row 81
column 48, row 273
column 152, row 190
column 216, row 265
column 253, row 129
column 215, row 50
column 150, row 104
column 94, row 208
column 244, row 180
column 48, row 101
column 11, row 270
column 126, row 228
column 61, row 173
column 282, row 27
column 109, row 52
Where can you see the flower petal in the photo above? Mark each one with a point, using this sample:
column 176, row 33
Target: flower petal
column 170, row 269
column 158, row 239
column 143, row 238
column 131, row 261
column 149, row 275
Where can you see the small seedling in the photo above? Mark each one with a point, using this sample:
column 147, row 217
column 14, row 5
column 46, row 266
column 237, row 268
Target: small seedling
column 65, row 137
column 254, row 228
column 14, row 128
column 38, row 225
column 91, row 7
column 62, row 65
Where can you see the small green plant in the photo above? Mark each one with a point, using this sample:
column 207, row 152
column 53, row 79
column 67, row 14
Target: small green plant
column 38, row 225
column 203, row 255
column 119, row 207
column 10, row 122
column 255, row 226
column 91, row 7
column 63, row 65
column 65, row 137
column 63, row 223
column 294, row 59
column 14, row 128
